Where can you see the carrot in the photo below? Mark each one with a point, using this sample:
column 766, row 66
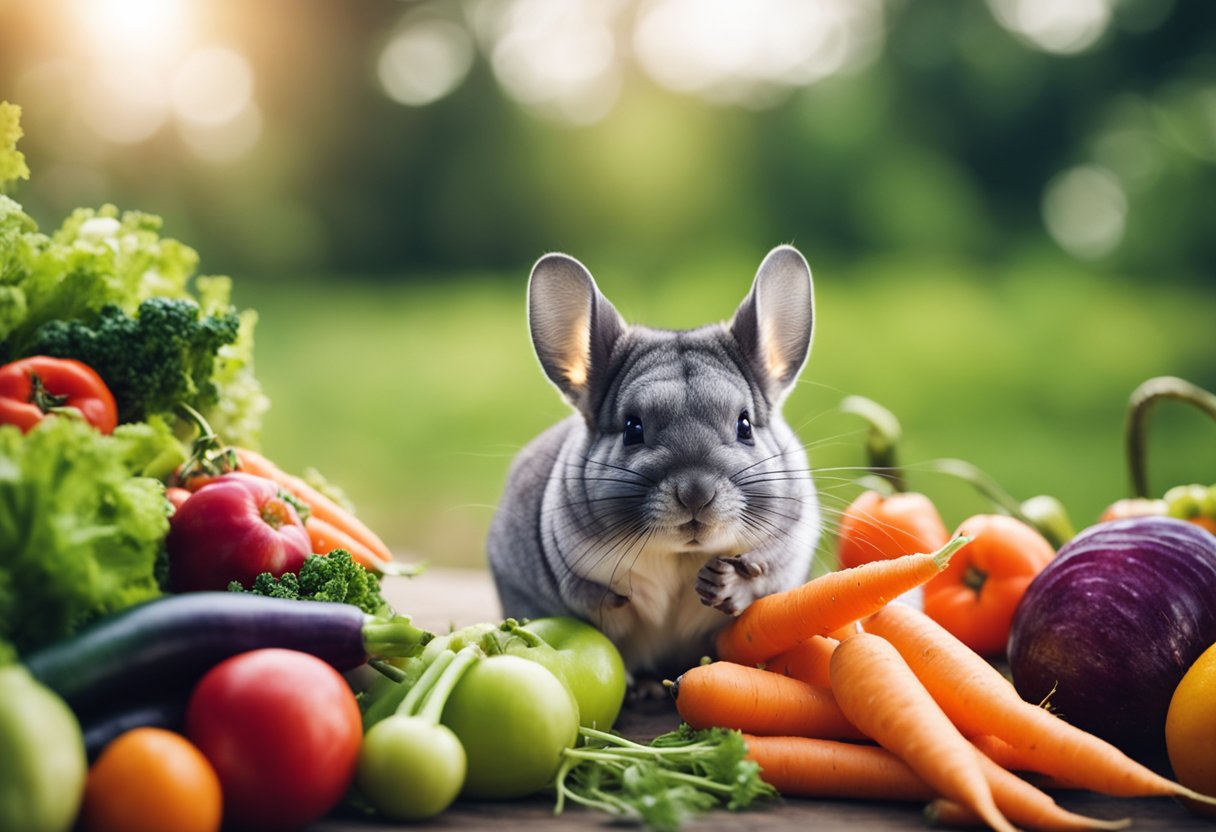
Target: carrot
column 325, row 537
column 322, row 507
column 1008, row 757
column 1026, row 805
column 805, row 767
column 880, row 694
column 778, row 622
column 808, row 662
column 980, row 700
column 748, row 699
column 943, row 812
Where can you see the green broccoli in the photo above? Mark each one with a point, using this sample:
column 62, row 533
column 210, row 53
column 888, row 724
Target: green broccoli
column 333, row 577
column 164, row 355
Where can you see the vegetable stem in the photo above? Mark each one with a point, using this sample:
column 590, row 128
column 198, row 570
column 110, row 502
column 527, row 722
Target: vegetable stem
column 208, row 455
column 1140, row 404
column 394, row 637
column 942, row 556
column 881, row 439
column 409, row 705
column 434, row 700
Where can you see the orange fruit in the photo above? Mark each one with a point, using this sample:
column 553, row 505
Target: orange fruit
column 1190, row 729
column 151, row 779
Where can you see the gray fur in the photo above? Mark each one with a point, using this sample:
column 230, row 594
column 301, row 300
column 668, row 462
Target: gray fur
column 658, row 542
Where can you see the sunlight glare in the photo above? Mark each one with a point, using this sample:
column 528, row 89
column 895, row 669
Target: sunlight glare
column 135, row 29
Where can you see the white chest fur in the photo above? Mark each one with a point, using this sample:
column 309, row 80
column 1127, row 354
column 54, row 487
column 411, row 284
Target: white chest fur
column 664, row 621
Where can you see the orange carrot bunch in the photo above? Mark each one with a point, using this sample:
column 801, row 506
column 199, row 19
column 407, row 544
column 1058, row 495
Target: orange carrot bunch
column 943, row 725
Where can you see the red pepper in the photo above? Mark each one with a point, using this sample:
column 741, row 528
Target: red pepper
column 976, row 595
column 33, row 387
column 879, row 525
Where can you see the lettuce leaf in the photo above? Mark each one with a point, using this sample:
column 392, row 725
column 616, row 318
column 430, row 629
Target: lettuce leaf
column 81, row 526
column 12, row 160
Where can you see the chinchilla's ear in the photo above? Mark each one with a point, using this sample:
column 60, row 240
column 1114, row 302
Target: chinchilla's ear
column 573, row 326
column 773, row 324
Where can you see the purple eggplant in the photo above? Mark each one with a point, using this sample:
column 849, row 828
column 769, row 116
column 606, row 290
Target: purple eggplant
column 1108, row 629
column 160, row 648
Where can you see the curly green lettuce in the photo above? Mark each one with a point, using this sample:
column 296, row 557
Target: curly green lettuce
column 81, row 524
column 12, row 160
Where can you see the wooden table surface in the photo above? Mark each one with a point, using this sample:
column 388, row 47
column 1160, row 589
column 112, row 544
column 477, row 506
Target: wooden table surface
column 440, row 599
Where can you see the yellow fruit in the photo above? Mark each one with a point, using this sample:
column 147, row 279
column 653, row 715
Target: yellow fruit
column 1190, row 729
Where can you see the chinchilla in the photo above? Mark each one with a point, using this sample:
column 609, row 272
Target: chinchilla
column 676, row 494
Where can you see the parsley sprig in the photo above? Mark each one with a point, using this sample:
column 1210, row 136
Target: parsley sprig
column 676, row 776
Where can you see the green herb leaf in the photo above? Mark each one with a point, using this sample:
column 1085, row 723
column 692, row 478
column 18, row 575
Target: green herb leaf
column 677, row 776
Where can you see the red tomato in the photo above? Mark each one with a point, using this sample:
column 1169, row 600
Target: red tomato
column 233, row 529
column 32, row 387
column 282, row 730
column 880, row 527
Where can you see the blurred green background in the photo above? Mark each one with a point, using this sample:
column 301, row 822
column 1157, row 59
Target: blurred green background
column 1008, row 207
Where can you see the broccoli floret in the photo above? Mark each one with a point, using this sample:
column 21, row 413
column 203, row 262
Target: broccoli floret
column 333, row 577
column 164, row 355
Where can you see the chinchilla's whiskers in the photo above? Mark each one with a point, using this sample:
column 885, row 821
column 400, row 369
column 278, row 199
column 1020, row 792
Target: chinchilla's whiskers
column 784, row 477
column 604, row 543
column 621, row 468
column 784, row 451
column 640, row 542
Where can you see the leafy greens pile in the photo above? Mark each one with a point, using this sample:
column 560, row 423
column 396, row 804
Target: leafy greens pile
column 83, row 516
column 107, row 289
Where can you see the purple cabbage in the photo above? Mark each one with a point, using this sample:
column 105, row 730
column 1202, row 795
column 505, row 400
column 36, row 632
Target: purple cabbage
column 1111, row 625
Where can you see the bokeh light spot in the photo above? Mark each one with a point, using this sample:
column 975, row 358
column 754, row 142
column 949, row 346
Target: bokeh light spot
column 1085, row 210
column 425, row 60
column 1062, row 28
column 213, row 86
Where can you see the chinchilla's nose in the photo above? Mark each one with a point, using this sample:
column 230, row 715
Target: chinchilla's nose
column 695, row 492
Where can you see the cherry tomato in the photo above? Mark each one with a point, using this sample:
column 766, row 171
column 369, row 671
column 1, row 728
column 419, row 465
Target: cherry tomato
column 233, row 529
column 976, row 595
column 32, row 387
column 151, row 779
column 283, row 731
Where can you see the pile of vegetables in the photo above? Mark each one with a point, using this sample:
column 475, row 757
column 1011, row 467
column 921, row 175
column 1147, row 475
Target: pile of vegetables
column 191, row 636
column 807, row 673
column 187, row 630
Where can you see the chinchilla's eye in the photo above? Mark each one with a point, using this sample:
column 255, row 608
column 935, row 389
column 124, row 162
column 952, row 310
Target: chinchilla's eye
column 633, row 431
column 743, row 428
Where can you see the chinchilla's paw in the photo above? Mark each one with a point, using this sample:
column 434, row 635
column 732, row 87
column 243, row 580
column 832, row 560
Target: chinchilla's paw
column 726, row 583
